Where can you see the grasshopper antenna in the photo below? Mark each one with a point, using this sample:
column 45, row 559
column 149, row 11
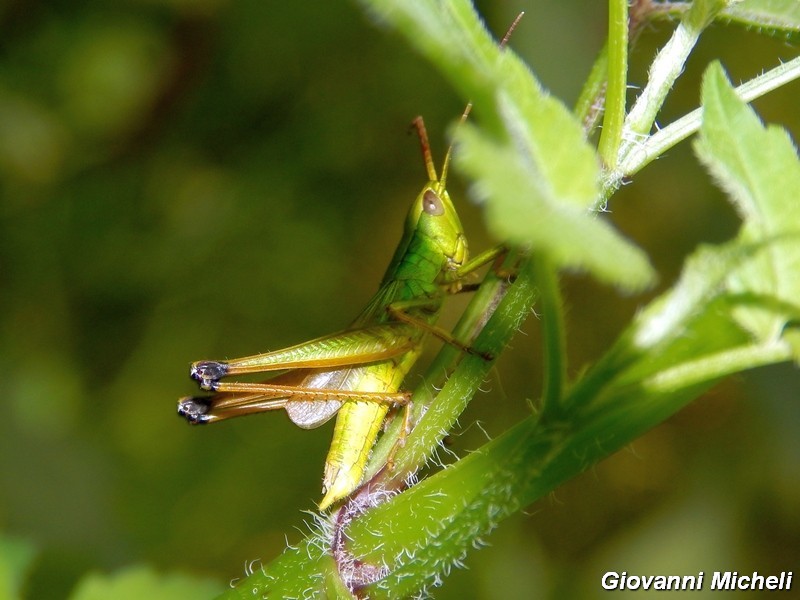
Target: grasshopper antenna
column 468, row 107
column 419, row 124
column 512, row 27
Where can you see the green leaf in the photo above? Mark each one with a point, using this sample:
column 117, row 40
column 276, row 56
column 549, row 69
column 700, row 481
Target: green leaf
column 16, row 558
column 141, row 582
column 759, row 169
column 527, row 210
column 702, row 280
column 770, row 15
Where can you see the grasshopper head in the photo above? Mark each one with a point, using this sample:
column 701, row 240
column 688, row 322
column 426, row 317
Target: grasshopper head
column 433, row 215
column 437, row 222
column 433, row 242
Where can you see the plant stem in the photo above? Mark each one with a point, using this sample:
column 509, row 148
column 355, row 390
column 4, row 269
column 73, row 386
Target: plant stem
column 677, row 131
column 720, row 364
column 456, row 374
column 614, row 115
column 590, row 104
column 551, row 309
column 665, row 70
column 667, row 66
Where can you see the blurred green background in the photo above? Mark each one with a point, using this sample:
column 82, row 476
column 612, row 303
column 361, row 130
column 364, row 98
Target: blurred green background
column 207, row 179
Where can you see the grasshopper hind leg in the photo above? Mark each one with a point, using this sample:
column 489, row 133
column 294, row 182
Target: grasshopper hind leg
column 195, row 409
column 208, row 372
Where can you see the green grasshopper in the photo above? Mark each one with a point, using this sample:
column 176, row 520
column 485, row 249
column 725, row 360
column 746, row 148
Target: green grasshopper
column 357, row 372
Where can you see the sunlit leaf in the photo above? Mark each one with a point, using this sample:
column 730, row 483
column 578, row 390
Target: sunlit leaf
column 758, row 167
column 525, row 208
column 770, row 15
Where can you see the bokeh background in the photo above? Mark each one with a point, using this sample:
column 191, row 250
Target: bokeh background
column 206, row 179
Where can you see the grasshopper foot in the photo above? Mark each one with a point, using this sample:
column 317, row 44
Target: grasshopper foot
column 194, row 409
column 208, row 372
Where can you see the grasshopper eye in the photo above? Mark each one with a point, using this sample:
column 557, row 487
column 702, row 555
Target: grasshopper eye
column 432, row 204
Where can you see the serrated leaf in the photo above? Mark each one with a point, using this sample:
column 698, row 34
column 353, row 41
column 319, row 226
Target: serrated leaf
column 142, row 582
column 702, row 280
column 759, row 169
column 547, row 136
column 525, row 209
column 771, row 15
column 689, row 336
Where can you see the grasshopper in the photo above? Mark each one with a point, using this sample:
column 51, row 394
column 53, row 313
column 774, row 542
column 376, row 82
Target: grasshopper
column 357, row 372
